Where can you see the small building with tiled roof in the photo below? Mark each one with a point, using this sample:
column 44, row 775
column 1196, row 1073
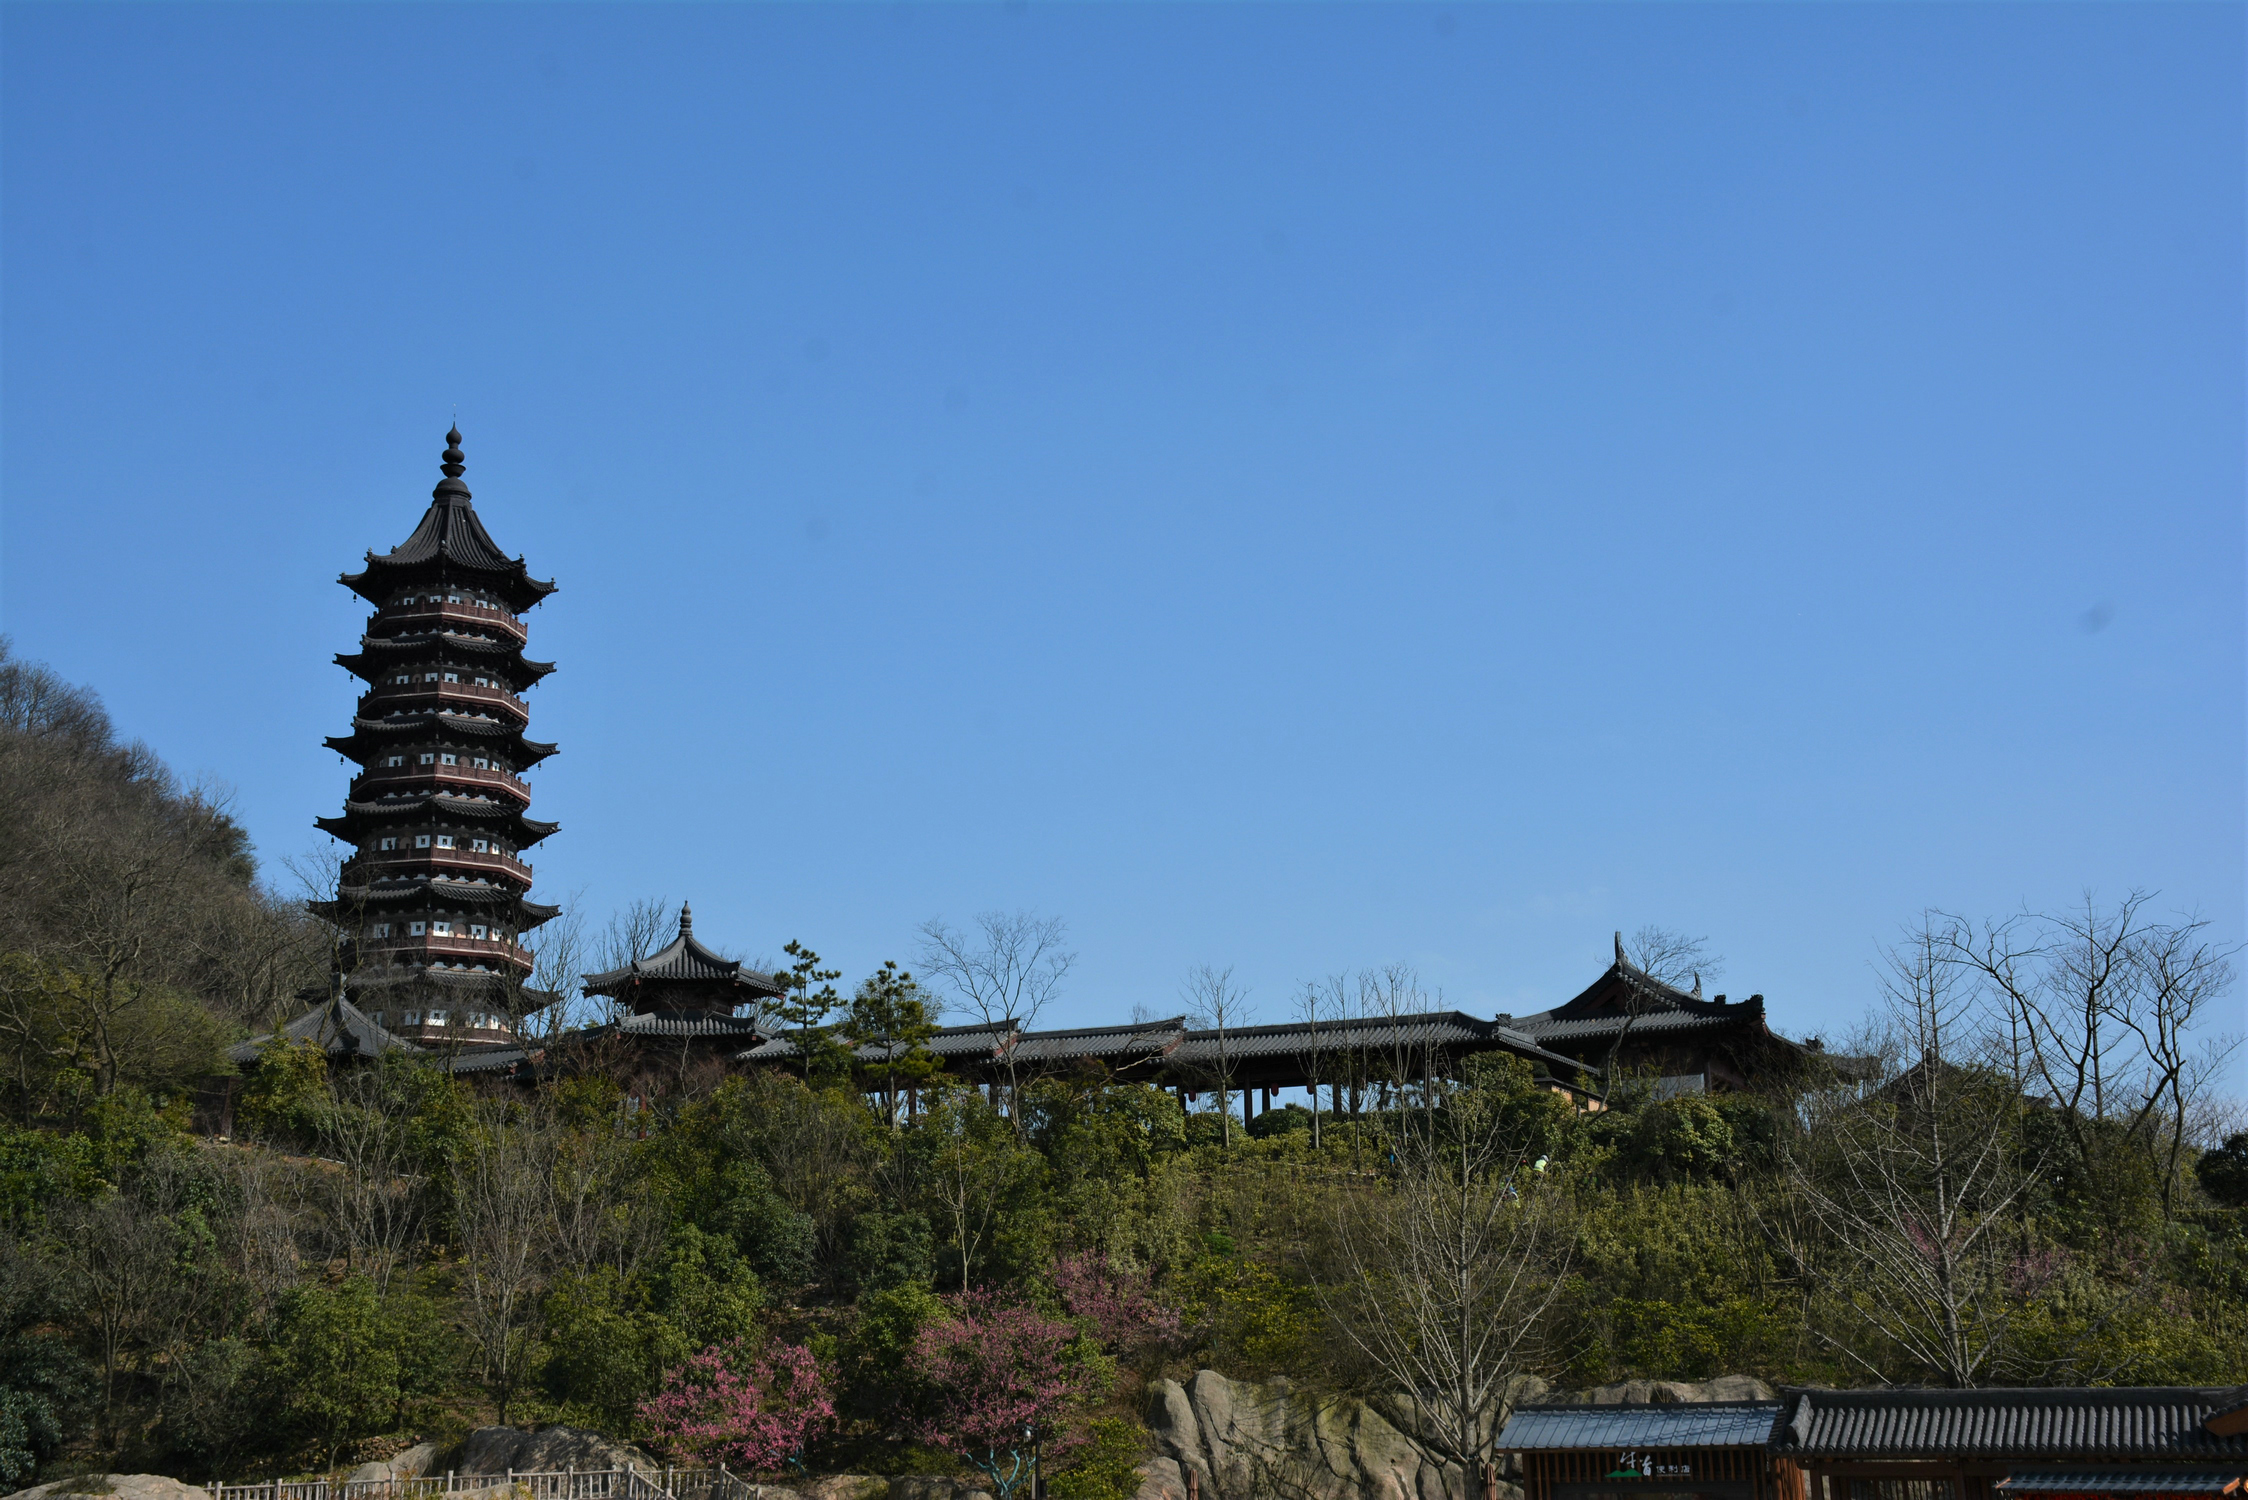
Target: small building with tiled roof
column 2035, row 1443
column 1688, row 1044
column 685, row 989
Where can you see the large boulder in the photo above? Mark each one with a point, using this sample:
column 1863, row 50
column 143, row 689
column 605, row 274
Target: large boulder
column 1668, row 1392
column 1243, row 1440
column 411, row 1464
column 540, row 1450
column 114, row 1487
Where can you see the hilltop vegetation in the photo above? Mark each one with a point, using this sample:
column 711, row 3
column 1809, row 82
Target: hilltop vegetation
column 388, row 1250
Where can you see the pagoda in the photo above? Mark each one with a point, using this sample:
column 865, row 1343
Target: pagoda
column 433, row 904
column 688, row 992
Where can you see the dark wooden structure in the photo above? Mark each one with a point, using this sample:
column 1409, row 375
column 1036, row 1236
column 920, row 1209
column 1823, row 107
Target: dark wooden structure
column 434, row 901
column 2056, row 1443
column 687, row 993
column 1719, row 1449
column 1988, row 1444
column 1684, row 1043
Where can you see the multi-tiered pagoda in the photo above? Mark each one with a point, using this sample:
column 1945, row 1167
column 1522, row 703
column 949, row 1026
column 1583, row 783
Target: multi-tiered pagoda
column 433, row 903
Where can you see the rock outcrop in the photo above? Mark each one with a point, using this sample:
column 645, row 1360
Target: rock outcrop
column 542, row 1450
column 1667, row 1392
column 411, row 1464
column 113, row 1487
column 1265, row 1441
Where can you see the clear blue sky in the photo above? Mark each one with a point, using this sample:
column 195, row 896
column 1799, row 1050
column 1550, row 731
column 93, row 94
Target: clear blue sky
column 1295, row 487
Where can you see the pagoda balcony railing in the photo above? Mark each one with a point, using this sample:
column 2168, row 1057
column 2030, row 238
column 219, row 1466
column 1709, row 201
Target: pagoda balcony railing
column 377, row 779
column 396, row 947
column 386, row 861
column 385, row 696
column 473, row 614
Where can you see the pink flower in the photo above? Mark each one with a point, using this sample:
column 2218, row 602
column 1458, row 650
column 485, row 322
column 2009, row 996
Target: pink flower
column 1120, row 1305
column 1001, row 1380
column 722, row 1407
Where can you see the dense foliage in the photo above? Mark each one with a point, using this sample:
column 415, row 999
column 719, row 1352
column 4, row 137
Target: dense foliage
column 790, row 1268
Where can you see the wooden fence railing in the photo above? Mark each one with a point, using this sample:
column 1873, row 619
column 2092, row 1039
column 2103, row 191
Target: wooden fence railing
column 561, row 1484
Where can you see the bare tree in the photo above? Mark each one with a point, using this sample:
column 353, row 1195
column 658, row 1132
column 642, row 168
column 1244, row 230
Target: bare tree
column 546, row 1003
column 503, row 1201
column 1914, row 1179
column 375, row 1199
column 1216, row 1004
column 1444, row 1277
column 1008, row 971
column 2101, row 1007
column 1321, row 1001
column 1680, row 961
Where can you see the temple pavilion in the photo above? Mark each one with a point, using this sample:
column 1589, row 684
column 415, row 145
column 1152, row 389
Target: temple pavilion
column 434, row 901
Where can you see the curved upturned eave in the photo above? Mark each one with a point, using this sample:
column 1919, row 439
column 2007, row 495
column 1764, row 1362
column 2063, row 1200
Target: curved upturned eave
column 380, row 653
column 383, row 734
column 361, row 817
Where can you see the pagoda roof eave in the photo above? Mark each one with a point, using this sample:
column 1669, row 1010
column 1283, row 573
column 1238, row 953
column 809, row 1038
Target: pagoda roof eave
column 409, row 726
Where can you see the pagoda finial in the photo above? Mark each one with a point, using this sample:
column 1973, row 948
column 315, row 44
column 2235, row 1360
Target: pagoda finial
column 452, row 463
column 686, row 919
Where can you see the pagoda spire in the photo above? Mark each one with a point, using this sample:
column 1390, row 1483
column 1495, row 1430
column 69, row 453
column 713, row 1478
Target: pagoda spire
column 454, row 461
column 686, row 919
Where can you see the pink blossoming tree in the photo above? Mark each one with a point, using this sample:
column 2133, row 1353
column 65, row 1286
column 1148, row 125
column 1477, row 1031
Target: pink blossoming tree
column 1117, row 1306
column 752, row 1411
column 1002, row 1382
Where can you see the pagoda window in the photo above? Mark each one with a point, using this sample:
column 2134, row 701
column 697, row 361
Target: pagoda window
column 452, row 676
column 429, row 758
column 482, row 764
column 479, row 932
column 403, row 678
column 429, row 676
column 479, row 846
column 395, row 760
column 386, row 844
column 410, row 1018
column 452, row 598
column 421, row 841
column 416, row 929
column 437, row 1018
column 449, row 760
column 440, row 929
column 482, row 682
column 382, row 929
column 444, row 841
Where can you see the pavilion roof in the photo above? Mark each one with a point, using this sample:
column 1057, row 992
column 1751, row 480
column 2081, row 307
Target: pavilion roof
column 340, row 1028
column 687, row 961
column 1627, row 996
column 450, row 534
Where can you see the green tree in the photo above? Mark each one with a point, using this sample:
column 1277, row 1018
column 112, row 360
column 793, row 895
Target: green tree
column 808, row 998
column 890, row 1014
column 334, row 1363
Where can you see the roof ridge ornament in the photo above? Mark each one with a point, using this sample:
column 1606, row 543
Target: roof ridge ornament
column 686, row 919
column 1620, row 949
column 453, row 462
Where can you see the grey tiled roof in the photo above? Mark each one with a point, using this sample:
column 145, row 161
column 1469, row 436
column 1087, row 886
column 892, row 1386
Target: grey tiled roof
column 488, row 1060
column 1546, row 1029
column 2134, row 1481
column 449, row 533
column 1443, row 1029
column 687, row 1024
column 341, row 1029
column 1137, row 1042
column 685, row 960
column 2119, row 1422
column 1716, row 1424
